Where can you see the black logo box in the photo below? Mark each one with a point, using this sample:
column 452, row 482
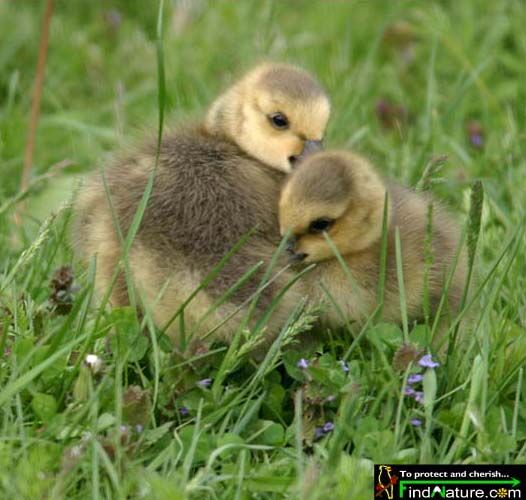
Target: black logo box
column 393, row 482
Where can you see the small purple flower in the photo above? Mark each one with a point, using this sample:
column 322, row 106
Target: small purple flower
column 416, row 422
column 303, row 364
column 427, row 362
column 476, row 140
column 328, row 427
column 318, row 433
column 330, row 399
column 184, row 411
column 475, row 134
column 139, row 428
column 205, row 383
column 418, row 396
column 409, row 391
column 123, row 429
column 113, row 18
column 344, row 365
column 415, row 378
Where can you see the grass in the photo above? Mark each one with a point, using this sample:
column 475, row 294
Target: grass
column 407, row 81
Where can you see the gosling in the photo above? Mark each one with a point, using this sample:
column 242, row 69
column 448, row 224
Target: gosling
column 215, row 182
column 339, row 196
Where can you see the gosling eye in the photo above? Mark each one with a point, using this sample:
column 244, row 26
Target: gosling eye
column 320, row 225
column 279, row 121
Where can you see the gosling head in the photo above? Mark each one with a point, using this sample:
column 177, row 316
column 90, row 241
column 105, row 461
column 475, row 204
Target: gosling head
column 276, row 113
column 337, row 194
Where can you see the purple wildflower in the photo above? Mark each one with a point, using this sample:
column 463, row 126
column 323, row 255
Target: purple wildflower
column 318, row 433
column 123, row 429
column 416, row 422
column 476, row 140
column 415, row 378
column 328, row 427
column 475, row 134
column 330, row 398
column 405, row 355
column 113, row 17
column 344, row 365
column 205, row 383
column 303, row 364
column 409, row 391
column 184, row 411
column 419, row 396
column 139, row 428
column 427, row 362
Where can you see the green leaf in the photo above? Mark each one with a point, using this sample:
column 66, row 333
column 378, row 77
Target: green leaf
column 290, row 360
column 166, row 488
column 22, row 348
column 273, row 435
column 421, row 335
column 165, row 344
column 105, row 421
column 385, row 335
column 82, row 384
column 503, row 443
column 274, row 399
column 44, row 406
column 153, row 435
column 430, row 390
column 138, row 349
column 35, row 472
column 205, row 443
column 229, row 439
column 128, row 341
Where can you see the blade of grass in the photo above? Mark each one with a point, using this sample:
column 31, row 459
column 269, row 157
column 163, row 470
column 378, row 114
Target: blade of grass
column 401, row 284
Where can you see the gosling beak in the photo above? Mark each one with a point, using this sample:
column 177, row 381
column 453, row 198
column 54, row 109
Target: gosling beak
column 294, row 257
column 291, row 244
column 309, row 147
